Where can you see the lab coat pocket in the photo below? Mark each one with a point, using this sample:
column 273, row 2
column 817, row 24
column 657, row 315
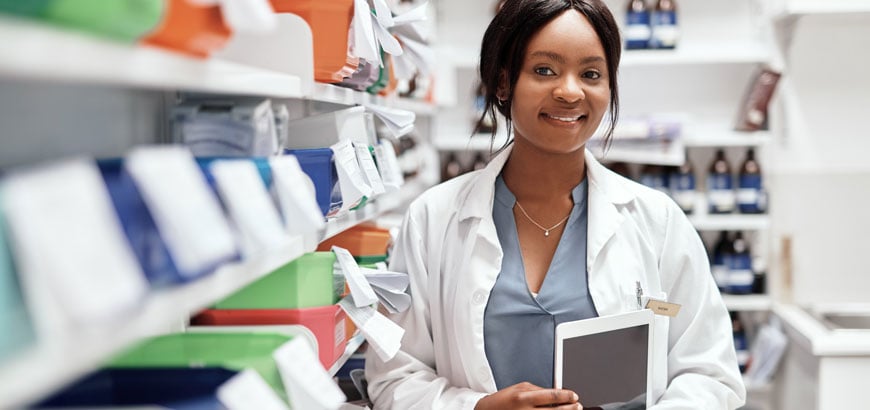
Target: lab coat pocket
column 660, row 350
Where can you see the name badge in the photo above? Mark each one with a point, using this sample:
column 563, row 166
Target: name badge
column 663, row 308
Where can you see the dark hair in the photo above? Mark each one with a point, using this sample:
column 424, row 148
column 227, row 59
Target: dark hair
column 507, row 37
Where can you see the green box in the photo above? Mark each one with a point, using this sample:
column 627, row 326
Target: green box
column 28, row 8
column 127, row 20
column 303, row 283
column 230, row 350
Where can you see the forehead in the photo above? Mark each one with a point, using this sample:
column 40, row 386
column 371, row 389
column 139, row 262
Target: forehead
column 569, row 35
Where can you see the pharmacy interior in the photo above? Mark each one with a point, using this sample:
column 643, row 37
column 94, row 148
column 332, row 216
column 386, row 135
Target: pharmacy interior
column 140, row 266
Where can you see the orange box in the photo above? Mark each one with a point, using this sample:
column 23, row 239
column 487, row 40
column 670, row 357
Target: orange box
column 360, row 240
column 190, row 28
column 330, row 27
column 328, row 323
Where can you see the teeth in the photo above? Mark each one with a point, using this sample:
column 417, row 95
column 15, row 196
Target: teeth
column 565, row 119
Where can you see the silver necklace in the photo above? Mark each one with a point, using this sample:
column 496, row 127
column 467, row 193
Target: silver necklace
column 546, row 230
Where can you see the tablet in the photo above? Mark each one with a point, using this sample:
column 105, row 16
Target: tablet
column 607, row 360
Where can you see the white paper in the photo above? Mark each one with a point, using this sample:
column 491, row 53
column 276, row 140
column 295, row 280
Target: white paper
column 386, row 39
column 370, row 170
column 254, row 16
column 307, row 383
column 422, row 55
column 364, row 43
column 389, row 165
column 248, row 391
column 398, row 121
column 363, row 293
column 384, row 336
column 250, row 206
column 72, row 256
column 394, row 281
column 384, row 14
column 354, row 188
column 187, row 214
column 296, row 196
column 412, row 16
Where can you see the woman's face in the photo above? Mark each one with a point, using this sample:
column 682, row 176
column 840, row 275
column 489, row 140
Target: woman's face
column 562, row 91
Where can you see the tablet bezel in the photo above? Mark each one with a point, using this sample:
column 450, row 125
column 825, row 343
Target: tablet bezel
column 579, row 328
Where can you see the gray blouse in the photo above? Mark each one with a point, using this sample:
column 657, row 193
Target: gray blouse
column 519, row 328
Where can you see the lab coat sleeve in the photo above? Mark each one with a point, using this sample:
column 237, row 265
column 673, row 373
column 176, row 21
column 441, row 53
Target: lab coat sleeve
column 702, row 363
column 409, row 380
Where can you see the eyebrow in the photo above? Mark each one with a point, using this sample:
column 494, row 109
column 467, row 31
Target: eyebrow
column 561, row 60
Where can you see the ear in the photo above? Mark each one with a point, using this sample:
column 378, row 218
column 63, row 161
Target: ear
column 503, row 91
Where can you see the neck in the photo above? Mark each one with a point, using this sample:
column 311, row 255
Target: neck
column 534, row 175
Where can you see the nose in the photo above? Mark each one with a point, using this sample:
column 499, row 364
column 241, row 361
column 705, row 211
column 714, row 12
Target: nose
column 569, row 90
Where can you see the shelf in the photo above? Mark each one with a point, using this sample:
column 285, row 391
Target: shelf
column 747, row 303
column 50, row 365
column 371, row 210
column 730, row 222
column 353, row 344
column 811, row 7
column 710, row 137
column 45, row 53
column 346, row 96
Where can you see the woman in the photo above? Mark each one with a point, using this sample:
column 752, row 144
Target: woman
column 545, row 234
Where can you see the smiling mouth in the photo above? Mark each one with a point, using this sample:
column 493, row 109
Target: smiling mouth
column 564, row 119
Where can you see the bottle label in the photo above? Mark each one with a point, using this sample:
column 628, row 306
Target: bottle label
column 637, row 29
column 665, row 31
column 749, row 192
column 748, row 196
column 721, row 200
column 685, row 199
column 720, row 275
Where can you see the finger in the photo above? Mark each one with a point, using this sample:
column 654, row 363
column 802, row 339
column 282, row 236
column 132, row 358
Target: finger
column 549, row 397
column 574, row 406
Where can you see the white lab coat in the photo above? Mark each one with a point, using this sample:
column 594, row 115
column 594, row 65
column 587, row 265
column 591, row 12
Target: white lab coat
column 449, row 247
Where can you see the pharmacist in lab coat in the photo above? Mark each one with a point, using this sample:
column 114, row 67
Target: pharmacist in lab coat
column 546, row 234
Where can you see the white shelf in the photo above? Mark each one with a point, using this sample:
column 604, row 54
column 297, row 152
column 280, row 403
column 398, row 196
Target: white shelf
column 42, row 52
column 50, row 365
column 810, row 7
column 346, row 96
column 751, row 303
column 353, row 345
column 730, row 222
column 710, row 137
column 371, row 210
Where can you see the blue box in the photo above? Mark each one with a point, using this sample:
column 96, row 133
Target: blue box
column 175, row 388
column 261, row 163
column 140, row 228
column 319, row 165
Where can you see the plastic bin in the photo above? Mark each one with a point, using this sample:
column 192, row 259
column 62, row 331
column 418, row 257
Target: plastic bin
column 231, row 350
column 27, row 8
column 330, row 25
column 361, row 241
column 262, row 165
column 319, row 165
column 190, row 28
column 328, row 323
column 15, row 324
column 126, row 21
column 176, row 388
column 140, row 228
column 302, row 283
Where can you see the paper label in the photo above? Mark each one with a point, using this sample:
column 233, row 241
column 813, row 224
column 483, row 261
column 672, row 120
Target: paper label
column 350, row 178
column 362, row 292
column 663, row 308
column 307, row 383
column 384, row 336
column 248, row 391
column 365, row 45
column 370, row 170
column 250, row 206
column 296, row 196
column 71, row 252
column 389, row 166
column 186, row 212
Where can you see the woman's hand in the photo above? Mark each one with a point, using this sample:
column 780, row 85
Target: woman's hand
column 528, row 396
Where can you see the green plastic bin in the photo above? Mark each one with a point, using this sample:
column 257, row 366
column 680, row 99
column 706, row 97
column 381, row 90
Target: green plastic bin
column 127, row 20
column 230, row 350
column 27, row 8
column 305, row 282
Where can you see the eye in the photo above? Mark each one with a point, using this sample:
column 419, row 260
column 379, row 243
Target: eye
column 592, row 75
column 545, row 71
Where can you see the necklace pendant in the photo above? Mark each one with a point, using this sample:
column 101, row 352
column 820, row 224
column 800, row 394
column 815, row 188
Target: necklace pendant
column 547, row 232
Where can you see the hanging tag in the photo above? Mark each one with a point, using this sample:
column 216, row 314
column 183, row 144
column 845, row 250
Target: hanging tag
column 384, row 336
column 248, row 391
column 385, row 39
column 389, row 165
column 71, row 253
column 186, row 212
column 296, row 196
column 250, row 206
column 354, row 188
column 365, row 45
column 398, row 121
column 383, row 13
column 359, row 286
column 307, row 383
column 370, row 170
